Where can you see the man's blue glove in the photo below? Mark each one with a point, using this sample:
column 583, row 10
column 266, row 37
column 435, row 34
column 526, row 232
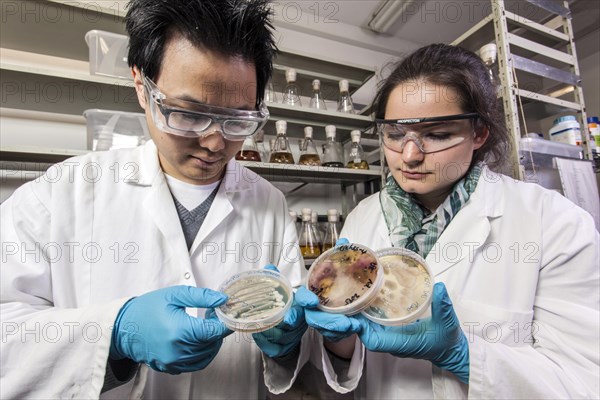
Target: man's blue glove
column 333, row 327
column 280, row 340
column 154, row 329
column 438, row 339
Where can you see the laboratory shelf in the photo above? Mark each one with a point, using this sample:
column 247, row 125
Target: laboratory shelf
column 311, row 174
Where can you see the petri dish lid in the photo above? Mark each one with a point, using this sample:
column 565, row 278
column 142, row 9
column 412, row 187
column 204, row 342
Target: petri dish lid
column 258, row 300
column 346, row 278
column 407, row 289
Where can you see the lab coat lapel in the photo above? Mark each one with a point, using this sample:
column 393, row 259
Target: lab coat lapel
column 160, row 207
column 470, row 228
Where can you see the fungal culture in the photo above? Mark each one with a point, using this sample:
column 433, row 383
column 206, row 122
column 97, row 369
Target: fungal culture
column 406, row 291
column 258, row 300
column 345, row 278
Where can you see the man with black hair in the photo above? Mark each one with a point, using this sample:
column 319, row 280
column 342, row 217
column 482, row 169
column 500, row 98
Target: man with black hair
column 165, row 223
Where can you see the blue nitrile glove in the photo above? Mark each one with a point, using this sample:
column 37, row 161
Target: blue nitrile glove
column 286, row 336
column 333, row 327
column 154, row 329
column 438, row 339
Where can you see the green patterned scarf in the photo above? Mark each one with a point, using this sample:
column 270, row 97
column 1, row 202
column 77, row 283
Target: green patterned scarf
column 413, row 227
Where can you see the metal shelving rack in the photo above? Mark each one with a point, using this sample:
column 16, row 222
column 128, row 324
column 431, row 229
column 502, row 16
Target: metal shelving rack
column 543, row 50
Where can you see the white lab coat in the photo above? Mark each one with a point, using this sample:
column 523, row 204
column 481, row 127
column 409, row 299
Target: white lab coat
column 101, row 228
column 521, row 267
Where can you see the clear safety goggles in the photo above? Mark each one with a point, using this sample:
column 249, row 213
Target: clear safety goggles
column 430, row 135
column 192, row 119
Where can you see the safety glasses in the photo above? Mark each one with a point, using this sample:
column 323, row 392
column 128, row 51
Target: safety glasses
column 191, row 119
column 431, row 134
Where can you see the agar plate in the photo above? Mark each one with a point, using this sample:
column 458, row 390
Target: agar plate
column 258, row 300
column 346, row 278
column 407, row 289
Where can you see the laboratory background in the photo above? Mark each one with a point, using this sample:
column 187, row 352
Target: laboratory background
column 67, row 90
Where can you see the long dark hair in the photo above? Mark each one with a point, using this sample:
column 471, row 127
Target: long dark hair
column 234, row 28
column 466, row 73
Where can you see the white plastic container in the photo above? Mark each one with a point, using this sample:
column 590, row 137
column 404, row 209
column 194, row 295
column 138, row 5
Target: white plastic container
column 108, row 129
column 407, row 290
column 258, row 300
column 108, row 54
column 566, row 130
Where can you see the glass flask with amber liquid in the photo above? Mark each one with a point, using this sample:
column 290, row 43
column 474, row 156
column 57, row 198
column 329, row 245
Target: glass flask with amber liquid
column 308, row 239
column 345, row 101
column 331, row 233
column 332, row 150
column 249, row 151
column 281, row 152
column 316, row 100
column 308, row 150
column 291, row 92
column 356, row 154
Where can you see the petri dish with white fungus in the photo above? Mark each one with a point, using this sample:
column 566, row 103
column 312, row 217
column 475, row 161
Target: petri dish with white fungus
column 258, row 300
column 346, row 278
column 406, row 291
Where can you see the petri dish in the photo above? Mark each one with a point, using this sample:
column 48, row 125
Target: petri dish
column 258, row 300
column 406, row 291
column 346, row 278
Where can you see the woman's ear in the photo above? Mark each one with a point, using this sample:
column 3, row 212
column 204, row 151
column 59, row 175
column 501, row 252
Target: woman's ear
column 138, row 83
column 480, row 137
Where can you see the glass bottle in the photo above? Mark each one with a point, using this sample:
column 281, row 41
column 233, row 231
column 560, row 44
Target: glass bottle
column 309, row 246
column 308, row 151
column 314, row 220
column 356, row 154
column 260, row 143
column 291, row 93
column 331, row 234
column 317, row 99
column 281, row 152
column 332, row 150
column 271, row 147
column 345, row 102
column 270, row 95
column 249, row 150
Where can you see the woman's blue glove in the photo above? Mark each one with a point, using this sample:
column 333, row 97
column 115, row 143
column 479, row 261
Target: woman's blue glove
column 154, row 329
column 333, row 327
column 280, row 340
column 438, row 339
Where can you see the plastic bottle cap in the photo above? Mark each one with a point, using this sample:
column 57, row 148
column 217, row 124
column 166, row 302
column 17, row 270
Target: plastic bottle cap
column 290, row 75
column 332, row 215
column 593, row 120
column 488, row 53
column 343, row 85
column 564, row 119
column 355, row 135
column 281, row 126
column 316, row 84
column 330, row 131
column 314, row 217
column 308, row 131
column 293, row 214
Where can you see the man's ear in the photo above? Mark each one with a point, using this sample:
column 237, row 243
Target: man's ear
column 138, row 83
column 481, row 137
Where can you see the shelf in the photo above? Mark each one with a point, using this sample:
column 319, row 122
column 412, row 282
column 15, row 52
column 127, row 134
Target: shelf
column 311, row 174
column 31, row 158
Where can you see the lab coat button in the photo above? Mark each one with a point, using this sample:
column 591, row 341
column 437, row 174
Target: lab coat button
column 187, row 275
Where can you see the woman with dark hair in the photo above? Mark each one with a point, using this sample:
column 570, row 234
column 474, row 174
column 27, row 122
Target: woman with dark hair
column 515, row 307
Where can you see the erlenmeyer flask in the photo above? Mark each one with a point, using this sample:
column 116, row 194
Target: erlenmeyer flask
column 356, row 154
column 309, row 246
column 345, row 102
column 260, row 144
column 331, row 233
column 281, row 152
column 249, row 150
column 291, row 93
column 317, row 98
column 270, row 95
column 332, row 150
column 308, row 151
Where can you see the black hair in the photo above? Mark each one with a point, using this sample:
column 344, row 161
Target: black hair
column 465, row 72
column 232, row 28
